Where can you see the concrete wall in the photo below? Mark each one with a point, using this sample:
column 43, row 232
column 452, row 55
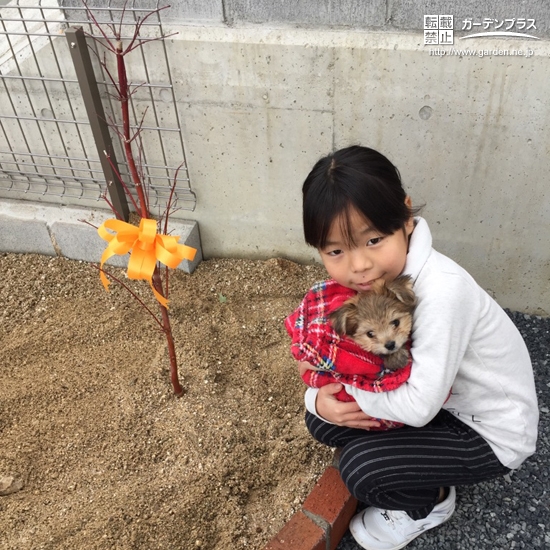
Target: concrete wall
column 262, row 97
column 467, row 133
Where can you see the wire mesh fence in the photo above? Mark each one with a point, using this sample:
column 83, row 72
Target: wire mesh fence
column 47, row 150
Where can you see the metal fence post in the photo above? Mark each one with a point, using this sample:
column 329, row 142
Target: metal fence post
column 96, row 115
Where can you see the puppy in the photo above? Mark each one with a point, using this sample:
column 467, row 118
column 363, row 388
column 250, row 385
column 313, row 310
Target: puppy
column 380, row 320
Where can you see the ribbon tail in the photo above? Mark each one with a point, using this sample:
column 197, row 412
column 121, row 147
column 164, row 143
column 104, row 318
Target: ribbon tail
column 161, row 299
column 104, row 279
column 107, row 253
column 188, row 252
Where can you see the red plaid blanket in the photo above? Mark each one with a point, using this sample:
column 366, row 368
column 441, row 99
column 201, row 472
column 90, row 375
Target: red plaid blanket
column 340, row 358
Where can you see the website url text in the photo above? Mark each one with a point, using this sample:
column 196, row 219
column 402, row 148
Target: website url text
column 440, row 52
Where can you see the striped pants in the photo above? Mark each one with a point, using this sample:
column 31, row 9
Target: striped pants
column 404, row 468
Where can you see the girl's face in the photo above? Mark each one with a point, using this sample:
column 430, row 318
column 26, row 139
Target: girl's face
column 372, row 256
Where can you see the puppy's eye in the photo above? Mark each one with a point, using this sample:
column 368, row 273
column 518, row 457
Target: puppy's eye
column 370, row 334
column 395, row 323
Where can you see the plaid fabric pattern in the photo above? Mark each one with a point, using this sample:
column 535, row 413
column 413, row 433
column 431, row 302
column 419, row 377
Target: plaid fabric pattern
column 340, row 358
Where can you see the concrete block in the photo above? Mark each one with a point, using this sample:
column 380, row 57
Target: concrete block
column 24, row 234
column 78, row 241
column 196, row 10
column 348, row 13
column 188, row 233
column 189, row 10
column 410, row 15
column 51, row 230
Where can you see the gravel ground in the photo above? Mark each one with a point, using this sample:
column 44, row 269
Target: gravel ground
column 505, row 513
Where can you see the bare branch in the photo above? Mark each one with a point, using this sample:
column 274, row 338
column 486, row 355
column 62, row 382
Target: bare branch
column 134, row 295
column 111, row 77
column 166, row 275
column 139, row 24
column 99, row 28
column 88, row 223
column 99, row 41
column 141, row 168
column 170, row 198
column 122, row 182
column 140, row 126
column 144, row 41
column 122, row 19
column 111, row 206
column 135, row 89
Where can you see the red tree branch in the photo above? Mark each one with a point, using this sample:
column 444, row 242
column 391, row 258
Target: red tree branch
column 141, row 206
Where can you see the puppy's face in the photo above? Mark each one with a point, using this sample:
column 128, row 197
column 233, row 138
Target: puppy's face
column 379, row 320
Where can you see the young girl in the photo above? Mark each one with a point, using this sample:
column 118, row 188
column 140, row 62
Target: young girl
column 469, row 406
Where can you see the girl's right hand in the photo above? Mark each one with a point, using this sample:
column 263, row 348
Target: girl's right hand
column 340, row 413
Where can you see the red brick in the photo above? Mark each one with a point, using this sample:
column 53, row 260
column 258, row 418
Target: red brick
column 299, row 533
column 331, row 501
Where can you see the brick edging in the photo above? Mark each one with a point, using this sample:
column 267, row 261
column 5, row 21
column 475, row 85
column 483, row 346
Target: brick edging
column 323, row 519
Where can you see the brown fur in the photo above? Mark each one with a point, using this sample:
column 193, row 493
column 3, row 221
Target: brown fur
column 370, row 318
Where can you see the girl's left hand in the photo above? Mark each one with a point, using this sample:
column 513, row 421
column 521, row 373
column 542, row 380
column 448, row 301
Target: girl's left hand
column 340, row 413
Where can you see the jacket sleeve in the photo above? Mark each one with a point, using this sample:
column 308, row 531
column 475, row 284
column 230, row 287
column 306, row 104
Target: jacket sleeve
column 445, row 319
column 310, row 397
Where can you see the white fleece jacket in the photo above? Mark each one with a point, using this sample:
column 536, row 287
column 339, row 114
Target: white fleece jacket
column 463, row 343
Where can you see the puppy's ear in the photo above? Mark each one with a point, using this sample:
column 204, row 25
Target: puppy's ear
column 344, row 319
column 402, row 288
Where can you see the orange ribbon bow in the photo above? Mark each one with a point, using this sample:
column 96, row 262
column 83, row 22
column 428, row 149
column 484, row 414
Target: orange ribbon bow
column 146, row 247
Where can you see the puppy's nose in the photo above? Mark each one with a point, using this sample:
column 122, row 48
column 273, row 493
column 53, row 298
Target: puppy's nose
column 390, row 346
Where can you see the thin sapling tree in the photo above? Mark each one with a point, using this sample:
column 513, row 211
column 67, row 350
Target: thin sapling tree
column 148, row 244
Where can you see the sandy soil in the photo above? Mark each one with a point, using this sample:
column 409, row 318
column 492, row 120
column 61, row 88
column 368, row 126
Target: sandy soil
column 102, row 453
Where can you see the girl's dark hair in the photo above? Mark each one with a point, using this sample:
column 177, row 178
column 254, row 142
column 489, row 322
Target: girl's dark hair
column 354, row 177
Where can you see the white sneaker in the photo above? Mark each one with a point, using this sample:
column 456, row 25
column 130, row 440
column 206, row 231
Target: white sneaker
column 376, row 529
